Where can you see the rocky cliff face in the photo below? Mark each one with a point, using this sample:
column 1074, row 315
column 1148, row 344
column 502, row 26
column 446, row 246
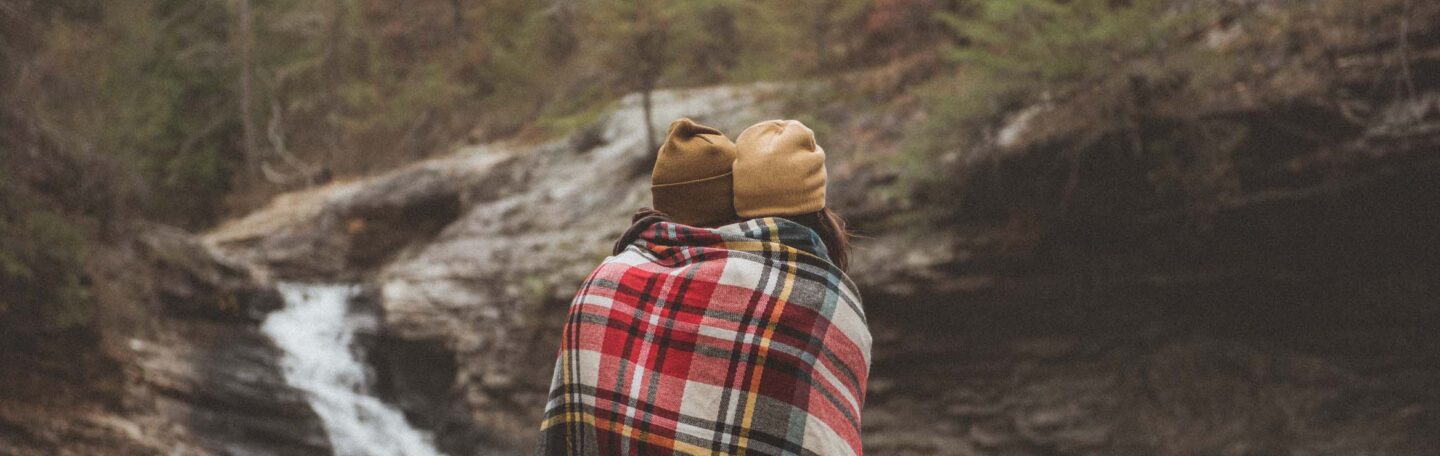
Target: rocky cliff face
column 1066, row 309
column 1273, row 331
column 175, row 364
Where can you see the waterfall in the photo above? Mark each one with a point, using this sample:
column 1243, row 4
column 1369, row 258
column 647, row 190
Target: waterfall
column 315, row 336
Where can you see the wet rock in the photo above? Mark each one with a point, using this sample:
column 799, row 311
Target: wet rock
column 992, row 434
column 971, row 411
column 1052, row 347
column 344, row 231
column 175, row 364
column 223, row 384
column 192, row 280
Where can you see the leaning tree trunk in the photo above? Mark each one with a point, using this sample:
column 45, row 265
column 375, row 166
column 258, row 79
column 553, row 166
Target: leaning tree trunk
column 821, row 31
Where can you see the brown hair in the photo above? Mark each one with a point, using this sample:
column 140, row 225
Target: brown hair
column 831, row 228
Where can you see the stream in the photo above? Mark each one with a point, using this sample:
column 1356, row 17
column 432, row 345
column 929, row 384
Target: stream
column 315, row 332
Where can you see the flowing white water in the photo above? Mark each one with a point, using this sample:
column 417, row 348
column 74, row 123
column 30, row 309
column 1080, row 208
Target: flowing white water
column 315, row 336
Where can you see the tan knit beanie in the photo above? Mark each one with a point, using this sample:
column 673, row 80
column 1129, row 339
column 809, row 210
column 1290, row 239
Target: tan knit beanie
column 779, row 170
column 691, row 180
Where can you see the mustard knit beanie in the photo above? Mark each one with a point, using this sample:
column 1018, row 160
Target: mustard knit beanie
column 691, row 179
column 779, row 170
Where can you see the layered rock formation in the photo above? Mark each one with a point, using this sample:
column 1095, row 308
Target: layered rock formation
column 1279, row 303
column 175, row 364
column 1291, row 324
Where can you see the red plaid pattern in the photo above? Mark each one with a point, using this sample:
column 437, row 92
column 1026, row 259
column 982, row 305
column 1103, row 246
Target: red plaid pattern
column 743, row 339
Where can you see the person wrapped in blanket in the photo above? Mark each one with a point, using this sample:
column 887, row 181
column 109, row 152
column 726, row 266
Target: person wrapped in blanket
column 724, row 322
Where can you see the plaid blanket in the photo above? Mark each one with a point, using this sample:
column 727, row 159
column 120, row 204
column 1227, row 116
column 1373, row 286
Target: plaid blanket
column 742, row 339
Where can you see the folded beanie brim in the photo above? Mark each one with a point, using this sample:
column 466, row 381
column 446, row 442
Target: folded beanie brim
column 692, row 202
column 694, row 181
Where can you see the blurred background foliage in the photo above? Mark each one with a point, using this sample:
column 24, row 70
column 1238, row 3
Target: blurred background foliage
column 186, row 111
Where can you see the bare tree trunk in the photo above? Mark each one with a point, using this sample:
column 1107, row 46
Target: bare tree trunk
column 821, row 31
column 333, row 75
column 649, row 108
column 457, row 10
column 333, row 41
column 649, row 47
column 1409, row 79
column 247, row 120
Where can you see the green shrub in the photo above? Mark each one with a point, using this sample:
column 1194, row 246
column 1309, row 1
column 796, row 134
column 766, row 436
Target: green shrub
column 155, row 96
column 1023, row 51
column 1016, row 53
column 42, row 257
